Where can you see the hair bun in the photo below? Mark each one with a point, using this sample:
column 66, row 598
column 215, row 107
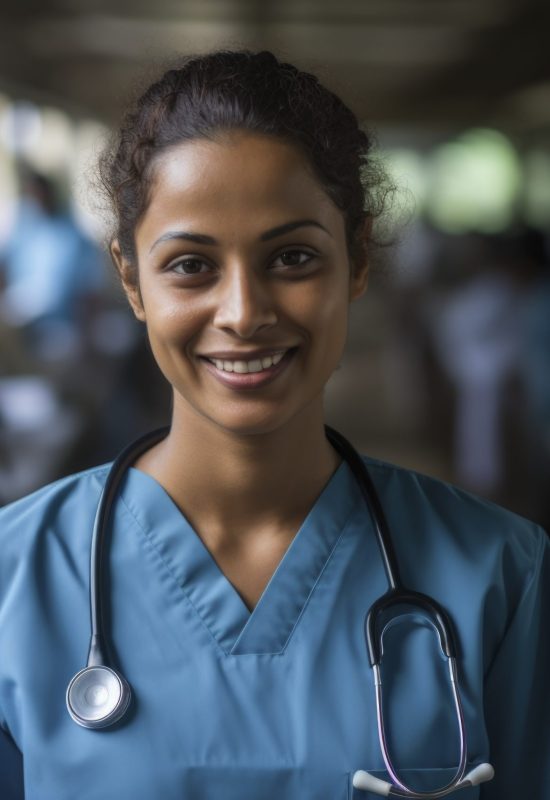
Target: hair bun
column 266, row 58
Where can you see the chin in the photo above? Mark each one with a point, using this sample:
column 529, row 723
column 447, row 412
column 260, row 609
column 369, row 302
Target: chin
column 251, row 422
column 248, row 417
column 250, row 427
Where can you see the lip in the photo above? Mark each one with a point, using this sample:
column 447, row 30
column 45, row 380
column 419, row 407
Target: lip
column 244, row 355
column 250, row 380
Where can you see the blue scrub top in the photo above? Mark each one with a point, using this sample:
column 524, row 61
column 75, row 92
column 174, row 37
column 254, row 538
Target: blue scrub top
column 277, row 703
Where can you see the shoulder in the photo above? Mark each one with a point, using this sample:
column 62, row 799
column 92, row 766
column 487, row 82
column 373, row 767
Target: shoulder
column 435, row 516
column 61, row 510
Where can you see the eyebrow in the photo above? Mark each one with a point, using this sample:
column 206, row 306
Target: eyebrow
column 202, row 238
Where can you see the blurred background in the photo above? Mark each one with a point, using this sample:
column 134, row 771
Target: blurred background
column 447, row 370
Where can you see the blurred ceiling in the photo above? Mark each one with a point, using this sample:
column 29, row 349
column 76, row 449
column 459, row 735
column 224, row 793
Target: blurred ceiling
column 440, row 64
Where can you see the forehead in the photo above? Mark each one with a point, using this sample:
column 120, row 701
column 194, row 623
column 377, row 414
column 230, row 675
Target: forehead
column 243, row 180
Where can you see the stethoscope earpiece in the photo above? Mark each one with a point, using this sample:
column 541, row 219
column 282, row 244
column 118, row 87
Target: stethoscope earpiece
column 369, row 783
column 97, row 697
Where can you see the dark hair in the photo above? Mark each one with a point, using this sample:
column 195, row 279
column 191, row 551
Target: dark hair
column 226, row 90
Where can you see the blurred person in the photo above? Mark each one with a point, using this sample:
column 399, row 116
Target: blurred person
column 236, row 553
column 51, row 279
column 535, row 368
column 50, row 269
column 476, row 335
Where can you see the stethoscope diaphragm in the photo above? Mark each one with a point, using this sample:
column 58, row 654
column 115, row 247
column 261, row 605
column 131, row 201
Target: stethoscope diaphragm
column 97, row 697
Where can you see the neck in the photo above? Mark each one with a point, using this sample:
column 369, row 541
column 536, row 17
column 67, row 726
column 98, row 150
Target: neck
column 230, row 485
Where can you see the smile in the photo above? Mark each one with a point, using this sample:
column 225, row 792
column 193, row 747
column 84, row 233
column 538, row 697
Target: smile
column 240, row 374
column 242, row 367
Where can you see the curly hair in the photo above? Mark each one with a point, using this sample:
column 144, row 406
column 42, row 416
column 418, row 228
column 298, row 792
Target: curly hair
column 207, row 95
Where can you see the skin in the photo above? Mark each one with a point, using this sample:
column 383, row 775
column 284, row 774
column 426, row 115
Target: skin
column 244, row 467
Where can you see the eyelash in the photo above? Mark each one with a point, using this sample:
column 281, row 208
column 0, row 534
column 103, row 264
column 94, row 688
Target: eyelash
column 195, row 259
column 183, row 261
column 294, row 251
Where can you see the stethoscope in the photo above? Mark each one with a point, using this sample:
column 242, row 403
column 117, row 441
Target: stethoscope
column 98, row 696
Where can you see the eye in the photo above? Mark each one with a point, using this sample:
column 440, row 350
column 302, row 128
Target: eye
column 189, row 266
column 293, row 258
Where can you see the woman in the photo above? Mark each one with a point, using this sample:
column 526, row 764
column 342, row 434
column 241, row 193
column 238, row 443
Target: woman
column 242, row 554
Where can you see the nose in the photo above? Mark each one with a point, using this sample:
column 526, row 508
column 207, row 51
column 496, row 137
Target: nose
column 245, row 304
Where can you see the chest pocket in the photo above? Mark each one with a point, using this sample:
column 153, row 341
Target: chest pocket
column 267, row 783
column 423, row 780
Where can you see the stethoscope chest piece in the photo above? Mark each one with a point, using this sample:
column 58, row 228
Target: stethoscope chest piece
column 97, row 697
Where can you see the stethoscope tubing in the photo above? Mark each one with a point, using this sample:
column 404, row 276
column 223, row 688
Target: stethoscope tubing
column 97, row 654
column 405, row 790
column 364, row 480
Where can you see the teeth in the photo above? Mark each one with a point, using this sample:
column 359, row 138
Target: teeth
column 257, row 365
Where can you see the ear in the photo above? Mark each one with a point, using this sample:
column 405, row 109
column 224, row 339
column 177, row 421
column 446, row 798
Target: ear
column 128, row 276
column 360, row 272
column 358, row 281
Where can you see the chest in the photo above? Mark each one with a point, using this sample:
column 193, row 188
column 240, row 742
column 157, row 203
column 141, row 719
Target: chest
column 249, row 569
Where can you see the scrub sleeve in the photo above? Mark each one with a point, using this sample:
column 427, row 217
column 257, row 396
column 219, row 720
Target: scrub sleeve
column 11, row 769
column 517, row 692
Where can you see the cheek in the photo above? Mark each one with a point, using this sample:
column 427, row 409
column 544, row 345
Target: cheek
column 171, row 328
column 326, row 312
column 170, row 320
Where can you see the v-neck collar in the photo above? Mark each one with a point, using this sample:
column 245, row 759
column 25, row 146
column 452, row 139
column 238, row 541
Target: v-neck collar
column 267, row 628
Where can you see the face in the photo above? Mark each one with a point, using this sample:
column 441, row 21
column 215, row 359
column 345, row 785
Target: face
column 244, row 281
